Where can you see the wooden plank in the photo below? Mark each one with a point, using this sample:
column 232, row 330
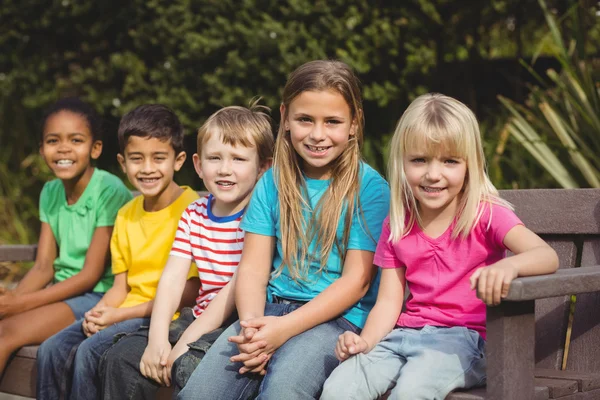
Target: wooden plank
column 557, row 211
column 19, row 377
column 590, row 253
column 552, row 314
column 586, row 381
column 584, row 351
column 541, row 393
column 591, row 395
column 557, row 387
column 18, row 252
column 562, row 282
column 510, row 351
column 28, row 352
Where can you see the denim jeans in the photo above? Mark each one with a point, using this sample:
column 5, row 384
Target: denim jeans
column 67, row 362
column 296, row 370
column 119, row 368
column 425, row 363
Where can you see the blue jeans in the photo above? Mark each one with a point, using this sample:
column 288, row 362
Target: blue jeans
column 426, row 363
column 119, row 368
column 67, row 362
column 80, row 304
column 296, row 370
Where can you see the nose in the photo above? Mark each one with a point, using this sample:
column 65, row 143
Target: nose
column 224, row 168
column 147, row 166
column 317, row 134
column 63, row 147
column 434, row 171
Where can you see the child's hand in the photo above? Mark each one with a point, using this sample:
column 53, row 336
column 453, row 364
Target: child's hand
column 349, row 344
column 251, row 353
column 154, row 361
column 89, row 328
column 492, row 282
column 103, row 316
column 270, row 336
column 9, row 304
column 178, row 350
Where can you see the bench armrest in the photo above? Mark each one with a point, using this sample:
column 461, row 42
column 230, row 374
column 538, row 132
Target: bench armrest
column 18, row 252
column 563, row 282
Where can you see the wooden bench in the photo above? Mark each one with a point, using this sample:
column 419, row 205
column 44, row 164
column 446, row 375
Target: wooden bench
column 526, row 334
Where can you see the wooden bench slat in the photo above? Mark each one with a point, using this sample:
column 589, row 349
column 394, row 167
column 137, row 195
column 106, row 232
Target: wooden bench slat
column 576, row 211
column 563, row 282
column 586, row 381
column 558, row 387
column 18, row 252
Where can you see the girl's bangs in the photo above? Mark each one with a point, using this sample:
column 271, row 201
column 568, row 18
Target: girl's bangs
column 434, row 140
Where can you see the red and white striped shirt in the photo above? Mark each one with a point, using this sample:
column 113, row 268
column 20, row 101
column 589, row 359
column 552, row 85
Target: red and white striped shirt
column 213, row 243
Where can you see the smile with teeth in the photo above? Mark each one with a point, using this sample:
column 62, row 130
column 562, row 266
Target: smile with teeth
column 64, row 162
column 148, row 180
column 317, row 149
column 430, row 189
column 225, row 183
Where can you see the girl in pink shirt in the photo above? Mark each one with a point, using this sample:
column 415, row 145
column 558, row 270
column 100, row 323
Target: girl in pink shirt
column 445, row 237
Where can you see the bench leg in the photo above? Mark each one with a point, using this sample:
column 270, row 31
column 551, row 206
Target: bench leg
column 510, row 351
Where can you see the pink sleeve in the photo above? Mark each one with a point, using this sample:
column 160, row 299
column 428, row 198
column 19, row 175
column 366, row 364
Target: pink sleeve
column 385, row 256
column 502, row 221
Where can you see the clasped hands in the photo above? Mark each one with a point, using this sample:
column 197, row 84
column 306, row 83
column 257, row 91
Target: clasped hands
column 98, row 318
column 257, row 341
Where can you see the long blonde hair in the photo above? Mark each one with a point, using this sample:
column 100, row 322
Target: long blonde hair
column 342, row 193
column 431, row 123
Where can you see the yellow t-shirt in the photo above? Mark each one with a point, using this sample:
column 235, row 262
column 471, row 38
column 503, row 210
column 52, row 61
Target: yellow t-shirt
column 141, row 242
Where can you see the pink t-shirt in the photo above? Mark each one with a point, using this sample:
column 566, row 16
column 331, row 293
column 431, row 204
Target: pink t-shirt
column 438, row 270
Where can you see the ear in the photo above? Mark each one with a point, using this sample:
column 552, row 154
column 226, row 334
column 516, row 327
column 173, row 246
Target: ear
column 179, row 160
column 121, row 161
column 96, row 149
column 284, row 122
column 197, row 165
column 268, row 163
column 354, row 126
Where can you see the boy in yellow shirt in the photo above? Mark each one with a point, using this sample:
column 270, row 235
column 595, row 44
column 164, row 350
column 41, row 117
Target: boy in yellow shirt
column 151, row 151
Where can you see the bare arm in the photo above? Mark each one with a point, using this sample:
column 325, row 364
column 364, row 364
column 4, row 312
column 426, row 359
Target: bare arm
column 215, row 315
column 42, row 271
column 253, row 275
column 92, row 270
column 168, row 296
column 384, row 315
column 532, row 256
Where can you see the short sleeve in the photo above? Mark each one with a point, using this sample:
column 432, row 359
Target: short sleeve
column 375, row 205
column 182, row 245
column 385, row 256
column 45, row 203
column 259, row 217
column 117, row 252
column 111, row 199
column 499, row 220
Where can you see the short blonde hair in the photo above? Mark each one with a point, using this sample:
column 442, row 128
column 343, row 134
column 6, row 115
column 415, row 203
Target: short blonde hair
column 431, row 124
column 240, row 125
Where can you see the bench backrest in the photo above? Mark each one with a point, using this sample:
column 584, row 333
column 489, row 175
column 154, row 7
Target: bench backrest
column 569, row 220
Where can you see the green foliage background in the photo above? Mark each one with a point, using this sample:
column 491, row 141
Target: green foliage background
column 196, row 56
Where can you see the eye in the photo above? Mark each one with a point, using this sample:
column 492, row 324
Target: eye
column 418, row 160
column 51, row 141
column 334, row 121
column 212, row 158
column 239, row 159
column 135, row 159
column 160, row 159
column 304, row 119
column 452, row 161
column 77, row 140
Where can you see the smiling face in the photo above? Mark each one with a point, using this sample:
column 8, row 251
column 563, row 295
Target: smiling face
column 229, row 173
column 320, row 125
column 150, row 164
column 68, row 146
column 436, row 180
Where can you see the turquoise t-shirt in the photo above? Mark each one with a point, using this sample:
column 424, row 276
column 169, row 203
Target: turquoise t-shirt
column 262, row 217
column 73, row 225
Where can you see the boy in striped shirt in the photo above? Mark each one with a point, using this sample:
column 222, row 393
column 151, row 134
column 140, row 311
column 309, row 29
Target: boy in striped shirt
column 235, row 147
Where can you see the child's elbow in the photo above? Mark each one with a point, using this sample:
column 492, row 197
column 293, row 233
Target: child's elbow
column 553, row 261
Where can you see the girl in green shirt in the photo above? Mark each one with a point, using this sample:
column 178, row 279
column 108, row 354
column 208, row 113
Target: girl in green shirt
column 77, row 212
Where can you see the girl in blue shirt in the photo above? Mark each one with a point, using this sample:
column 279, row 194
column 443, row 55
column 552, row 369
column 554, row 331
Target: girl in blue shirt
column 306, row 273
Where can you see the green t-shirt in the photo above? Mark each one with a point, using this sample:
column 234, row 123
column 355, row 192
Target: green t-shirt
column 73, row 225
